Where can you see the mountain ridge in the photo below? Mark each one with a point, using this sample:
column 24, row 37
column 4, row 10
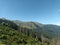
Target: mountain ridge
column 34, row 30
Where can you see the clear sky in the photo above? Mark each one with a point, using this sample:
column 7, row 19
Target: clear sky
column 43, row 11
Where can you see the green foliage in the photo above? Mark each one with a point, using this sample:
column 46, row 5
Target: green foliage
column 10, row 36
column 8, row 23
column 28, row 33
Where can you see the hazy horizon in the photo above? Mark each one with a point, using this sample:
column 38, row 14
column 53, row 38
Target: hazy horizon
column 42, row 11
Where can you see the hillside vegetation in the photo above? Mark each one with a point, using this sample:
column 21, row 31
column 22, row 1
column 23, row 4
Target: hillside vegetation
column 28, row 33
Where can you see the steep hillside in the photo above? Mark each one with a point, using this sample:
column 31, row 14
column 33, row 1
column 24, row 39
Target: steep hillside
column 47, row 30
column 8, row 23
column 28, row 33
column 51, row 30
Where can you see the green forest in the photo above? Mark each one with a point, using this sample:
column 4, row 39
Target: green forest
column 15, row 32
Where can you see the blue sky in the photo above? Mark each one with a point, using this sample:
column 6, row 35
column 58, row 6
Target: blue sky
column 43, row 11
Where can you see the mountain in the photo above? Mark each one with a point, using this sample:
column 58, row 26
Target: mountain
column 28, row 33
column 48, row 28
column 38, row 27
column 10, row 36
